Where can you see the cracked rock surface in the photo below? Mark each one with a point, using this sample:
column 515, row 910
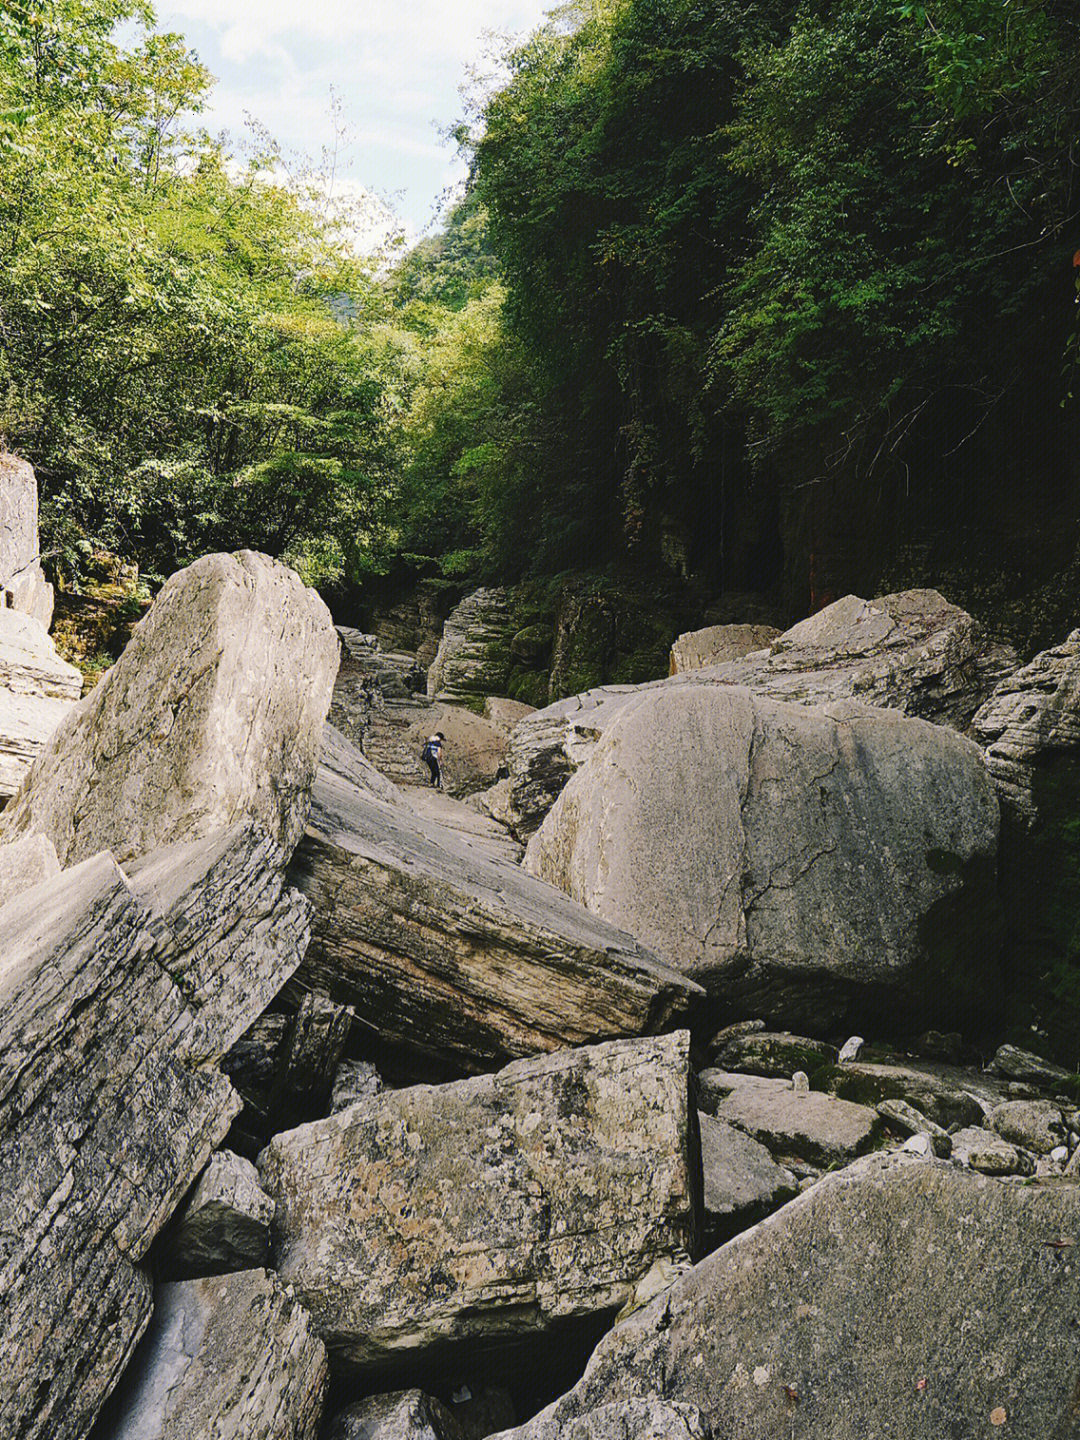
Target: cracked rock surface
column 830, row 1319
column 37, row 689
column 21, row 576
column 786, row 856
column 489, row 1207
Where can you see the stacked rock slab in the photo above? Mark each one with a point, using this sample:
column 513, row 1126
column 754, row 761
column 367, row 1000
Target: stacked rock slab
column 912, row 652
column 717, row 643
column 440, row 947
column 122, row 996
column 232, row 1357
column 830, row 1320
column 469, row 663
column 106, row 1116
column 490, row 1207
column 22, row 584
column 794, row 858
column 37, row 689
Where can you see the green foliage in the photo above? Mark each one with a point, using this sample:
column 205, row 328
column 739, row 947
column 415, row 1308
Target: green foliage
column 169, row 353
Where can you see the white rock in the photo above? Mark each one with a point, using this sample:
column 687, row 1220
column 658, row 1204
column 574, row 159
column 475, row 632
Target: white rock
column 850, row 1049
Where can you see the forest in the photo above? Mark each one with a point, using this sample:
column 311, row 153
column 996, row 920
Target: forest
column 742, row 295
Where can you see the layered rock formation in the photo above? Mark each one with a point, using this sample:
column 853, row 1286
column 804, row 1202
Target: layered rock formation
column 912, row 652
column 472, row 659
column 785, row 855
column 445, row 950
column 834, row 1319
column 37, row 689
column 22, row 583
column 492, row 1206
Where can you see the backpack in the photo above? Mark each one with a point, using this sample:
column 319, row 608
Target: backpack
column 428, row 752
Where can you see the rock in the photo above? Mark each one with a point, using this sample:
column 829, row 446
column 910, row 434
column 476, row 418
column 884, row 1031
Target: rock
column 1023, row 1065
column 733, row 1032
column 902, row 1117
column 494, row 802
column 1032, row 717
column 312, row 1049
column 941, row 1101
column 355, row 1080
column 742, row 1182
column 24, row 863
column 802, row 862
column 912, row 652
column 213, row 715
column 717, row 643
column 343, row 757
column 465, row 666
column 850, row 1050
column 252, row 1061
column 648, row 1419
column 108, row 1111
column 454, row 954
column 826, row 1318
column 1036, row 1125
column 986, row 1152
column 232, row 1357
column 768, row 1052
column 813, row 1126
column 37, row 689
column 224, row 1225
column 506, row 713
column 380, row 706
column 489, row 1207
column 474, row 748
column 228, row 930
column 481, row 1415
column 800, row 1083
column 23, row 585
column 948, row 1047
column 405, row 1415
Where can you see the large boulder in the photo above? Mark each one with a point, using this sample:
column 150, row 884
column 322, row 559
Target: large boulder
column 473, row 655
column 490, row 1207
column 37, row 689
column 212, row 715
column 22, row 584
column 742, row 1183
column 897, row 1298
column 440, row 946
column 794, row 1124
column 912, row 652
column 233, row 1358
column 108, row 1111
column 797, row 859
column 716, row 643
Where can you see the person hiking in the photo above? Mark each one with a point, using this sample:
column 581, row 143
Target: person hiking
column 432, row 757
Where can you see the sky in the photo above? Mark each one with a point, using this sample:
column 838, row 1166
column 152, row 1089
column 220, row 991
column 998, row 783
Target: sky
column 395, row 67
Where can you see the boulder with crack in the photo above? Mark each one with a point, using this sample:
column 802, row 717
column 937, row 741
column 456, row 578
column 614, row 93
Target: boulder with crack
column 830, row 1319
column 23, row 585
column 472, row 658
column 716, row 643
column 449, row 951
column 233, row 1357
column 802, row 862
column 212, row 716
column 488, row 1208
column 912, row 652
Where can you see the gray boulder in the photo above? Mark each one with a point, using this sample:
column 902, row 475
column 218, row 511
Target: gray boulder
column 788, row 1122
column 108, row 1111
column 946, row 1101
column 636, row 1419
column 716, row 643
column 830, row 1320
column 912, row 652
column 23, row 585
column 472, row 657
column 404, row 1415
column 1037, row 1125
column 768, row 1052
column 490, row 1207
column 212, row 716
column 224, row 1225
column 1016, row 1064
column 232, row 1357
column 742, row 1182
column 982, row 1150
column 354, row 1080
column 37, row 689
column 799, row 861
column 446, row 950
